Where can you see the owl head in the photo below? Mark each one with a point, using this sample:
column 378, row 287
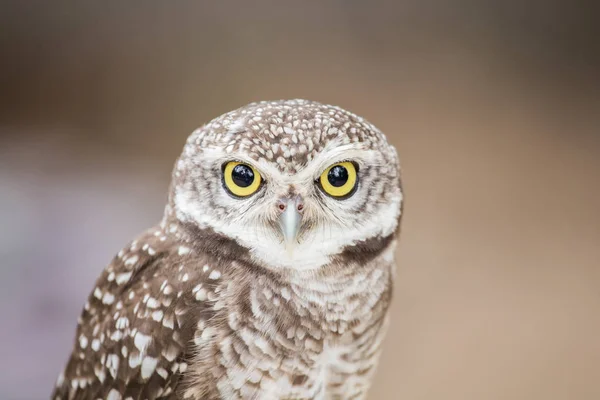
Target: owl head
column 294, row 182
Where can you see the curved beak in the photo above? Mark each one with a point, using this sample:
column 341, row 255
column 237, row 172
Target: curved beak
column 290, row 221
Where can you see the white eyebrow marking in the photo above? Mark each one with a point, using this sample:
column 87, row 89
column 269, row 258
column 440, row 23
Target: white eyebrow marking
column 338, row 154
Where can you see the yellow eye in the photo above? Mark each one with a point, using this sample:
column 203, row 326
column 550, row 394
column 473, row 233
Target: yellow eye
column 241, row 179
column 339, row 180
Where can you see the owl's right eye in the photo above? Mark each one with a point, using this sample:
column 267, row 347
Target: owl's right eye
column 241, row 180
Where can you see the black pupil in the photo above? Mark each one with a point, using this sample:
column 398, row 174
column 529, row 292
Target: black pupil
column 337, row 176
column 242, row 175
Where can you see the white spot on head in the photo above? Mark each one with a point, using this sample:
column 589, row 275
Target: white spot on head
column 83, row 341
column 239, row 125
column 95, row 345
column 214, row 274
column 97, row 293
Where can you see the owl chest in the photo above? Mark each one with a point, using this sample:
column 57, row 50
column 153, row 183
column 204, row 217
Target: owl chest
column 282, row 367
column 276, row 342
column 302, row 377
column 283, row 354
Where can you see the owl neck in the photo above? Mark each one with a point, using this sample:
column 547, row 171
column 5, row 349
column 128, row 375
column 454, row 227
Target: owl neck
column 333, row 299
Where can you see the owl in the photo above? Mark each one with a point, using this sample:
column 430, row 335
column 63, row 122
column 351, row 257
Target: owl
column 269, row 276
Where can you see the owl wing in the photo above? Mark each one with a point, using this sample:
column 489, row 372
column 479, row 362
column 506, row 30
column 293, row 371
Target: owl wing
column 134, row 336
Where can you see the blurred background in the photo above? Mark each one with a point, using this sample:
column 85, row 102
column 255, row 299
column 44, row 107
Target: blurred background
column 494, row 107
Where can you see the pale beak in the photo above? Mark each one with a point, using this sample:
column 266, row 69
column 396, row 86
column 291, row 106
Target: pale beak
column 290, row 221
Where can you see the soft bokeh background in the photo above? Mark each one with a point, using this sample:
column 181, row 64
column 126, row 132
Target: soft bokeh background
column 495, row 110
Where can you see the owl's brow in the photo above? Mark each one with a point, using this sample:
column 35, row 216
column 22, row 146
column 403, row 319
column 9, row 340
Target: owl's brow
column 329, row 156
column 217, row 157
column 337, row 155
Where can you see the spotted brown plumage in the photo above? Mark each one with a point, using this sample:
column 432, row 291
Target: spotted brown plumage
column 279, row 293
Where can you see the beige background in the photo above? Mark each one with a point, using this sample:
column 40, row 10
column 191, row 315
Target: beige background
column 494, row 108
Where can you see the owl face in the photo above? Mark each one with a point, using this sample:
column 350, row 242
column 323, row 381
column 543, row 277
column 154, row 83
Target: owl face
column 292, row 181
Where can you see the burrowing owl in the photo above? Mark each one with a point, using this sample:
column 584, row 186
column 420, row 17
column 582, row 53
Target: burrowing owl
column 269, row 276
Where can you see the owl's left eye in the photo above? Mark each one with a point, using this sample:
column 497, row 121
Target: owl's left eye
column 339, row 180
column 241, row 180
